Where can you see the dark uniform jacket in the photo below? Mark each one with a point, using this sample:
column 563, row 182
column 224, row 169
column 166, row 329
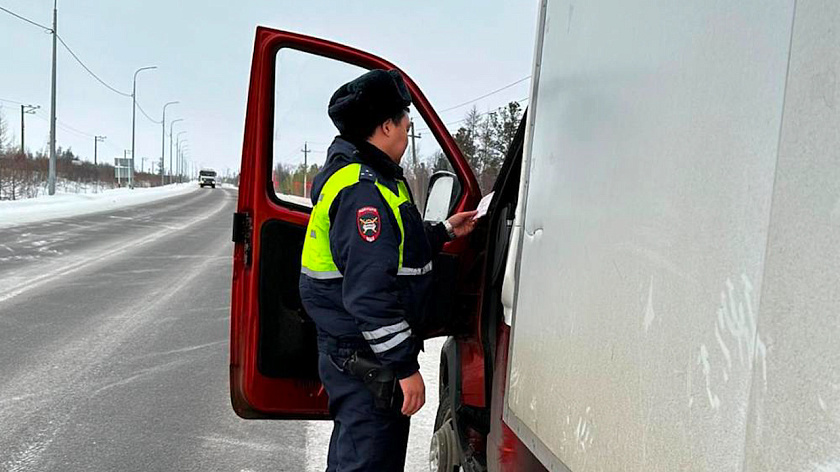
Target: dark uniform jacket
column 371, row 297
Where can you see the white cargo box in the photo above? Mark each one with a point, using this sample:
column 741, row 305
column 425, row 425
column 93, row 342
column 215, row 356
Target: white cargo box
column 677, row 243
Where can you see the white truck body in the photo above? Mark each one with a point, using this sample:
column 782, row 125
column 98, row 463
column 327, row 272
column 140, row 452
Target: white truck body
column 674, row 278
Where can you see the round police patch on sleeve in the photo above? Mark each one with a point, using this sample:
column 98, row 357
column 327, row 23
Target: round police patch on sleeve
column 369, row 223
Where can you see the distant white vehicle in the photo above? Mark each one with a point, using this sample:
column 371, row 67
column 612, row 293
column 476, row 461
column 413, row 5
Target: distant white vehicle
column 207, row 177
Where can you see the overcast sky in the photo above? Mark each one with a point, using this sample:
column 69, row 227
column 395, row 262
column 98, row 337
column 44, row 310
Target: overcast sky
column 455, row 51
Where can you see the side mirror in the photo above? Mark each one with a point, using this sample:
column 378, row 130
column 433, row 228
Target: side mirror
column 444, row 188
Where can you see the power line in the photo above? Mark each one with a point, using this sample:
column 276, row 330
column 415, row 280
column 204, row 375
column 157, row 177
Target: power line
column 486, row 95
column 26, row 19
column 146, row 115
column 81, row 63
column 93, row 74
column 65, row 127
column 520, row 101
column 74, row 129
column 70, row 129
column 88, row 69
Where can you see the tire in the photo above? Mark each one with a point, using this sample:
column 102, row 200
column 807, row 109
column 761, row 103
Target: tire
column 443, row 448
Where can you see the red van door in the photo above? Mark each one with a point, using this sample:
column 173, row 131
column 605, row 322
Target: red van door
column 273, row 357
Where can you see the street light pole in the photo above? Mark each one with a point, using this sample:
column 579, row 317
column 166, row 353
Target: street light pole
column 171, row 169
column 185, row 147
column 133, row 121
column 178, row 153
column 163, row 142
column 186, row 173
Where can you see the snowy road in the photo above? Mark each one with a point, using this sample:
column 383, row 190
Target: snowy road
column 114, row 338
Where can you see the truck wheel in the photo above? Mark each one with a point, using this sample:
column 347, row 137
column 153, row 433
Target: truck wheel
column 443, row 450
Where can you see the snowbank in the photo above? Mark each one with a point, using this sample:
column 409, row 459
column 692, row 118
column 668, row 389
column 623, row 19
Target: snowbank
column 296, row 199
column 32, row 210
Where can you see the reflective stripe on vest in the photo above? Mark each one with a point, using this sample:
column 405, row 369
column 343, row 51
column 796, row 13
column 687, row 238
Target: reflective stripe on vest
column 316, row 260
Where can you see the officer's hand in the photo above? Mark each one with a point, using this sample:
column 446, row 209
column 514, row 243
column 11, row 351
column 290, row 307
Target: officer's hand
column 414, row 392
column 463, row 223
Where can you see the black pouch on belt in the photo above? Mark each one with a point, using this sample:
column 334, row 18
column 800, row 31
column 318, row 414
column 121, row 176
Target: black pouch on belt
column 380, row 380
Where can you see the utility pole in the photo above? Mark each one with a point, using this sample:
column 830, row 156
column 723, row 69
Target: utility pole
column 96, row 140
column 171, row 169
column 413, row 148
column 25, row 110
column 306, row 152
column 51, row 180
column 163, row 141
column 133, row 120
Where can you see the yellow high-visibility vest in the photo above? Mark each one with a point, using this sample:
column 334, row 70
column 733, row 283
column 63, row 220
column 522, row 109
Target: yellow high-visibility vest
column 317, row 260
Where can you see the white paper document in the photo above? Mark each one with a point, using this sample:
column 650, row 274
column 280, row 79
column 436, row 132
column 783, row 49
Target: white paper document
column 483, row 205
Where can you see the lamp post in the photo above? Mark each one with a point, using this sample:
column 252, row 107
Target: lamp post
column 188, row 164
column 178, row 154
column 185, row 149
column 185, row 152
column 163, row 142
column 171, row 168
column 134, row 120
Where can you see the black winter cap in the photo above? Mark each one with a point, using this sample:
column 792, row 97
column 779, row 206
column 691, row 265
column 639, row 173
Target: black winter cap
column 367, row 101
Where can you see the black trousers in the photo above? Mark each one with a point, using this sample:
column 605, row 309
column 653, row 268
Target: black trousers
column 364, row 438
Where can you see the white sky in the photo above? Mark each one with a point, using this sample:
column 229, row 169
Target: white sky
column 455, row 51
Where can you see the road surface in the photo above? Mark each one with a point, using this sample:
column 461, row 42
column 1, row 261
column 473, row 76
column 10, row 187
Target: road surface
column 114, row 342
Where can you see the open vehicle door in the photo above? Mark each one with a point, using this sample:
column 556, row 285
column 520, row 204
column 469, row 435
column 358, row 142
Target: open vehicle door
column 273, row 355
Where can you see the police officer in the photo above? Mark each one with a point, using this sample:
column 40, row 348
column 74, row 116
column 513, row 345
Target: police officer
column 366, row 275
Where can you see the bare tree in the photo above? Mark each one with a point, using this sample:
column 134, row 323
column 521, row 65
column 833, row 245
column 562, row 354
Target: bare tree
column 5, row 137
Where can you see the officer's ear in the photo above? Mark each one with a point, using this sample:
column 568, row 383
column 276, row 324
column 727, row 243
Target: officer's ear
column 391, row 125
column 388, row 127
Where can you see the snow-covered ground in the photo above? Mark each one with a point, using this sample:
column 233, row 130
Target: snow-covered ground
column 296, row 199
column 422, row 424
column 42, row 208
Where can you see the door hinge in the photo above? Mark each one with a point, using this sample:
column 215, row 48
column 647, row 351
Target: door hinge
column 243, row 228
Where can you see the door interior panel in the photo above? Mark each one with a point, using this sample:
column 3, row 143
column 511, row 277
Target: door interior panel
column 287, row 337
column 441, row 316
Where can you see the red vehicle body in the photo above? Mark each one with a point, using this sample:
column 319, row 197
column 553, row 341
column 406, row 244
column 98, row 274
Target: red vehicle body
column 273, row 352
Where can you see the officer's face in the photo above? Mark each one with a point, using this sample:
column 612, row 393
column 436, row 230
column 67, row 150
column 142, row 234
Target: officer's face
column 398, row 137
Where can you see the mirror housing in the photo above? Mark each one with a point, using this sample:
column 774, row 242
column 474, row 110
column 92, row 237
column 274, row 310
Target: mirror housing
column 442, row 196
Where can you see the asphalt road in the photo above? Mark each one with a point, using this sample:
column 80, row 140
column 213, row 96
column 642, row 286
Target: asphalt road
column 113, row 340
